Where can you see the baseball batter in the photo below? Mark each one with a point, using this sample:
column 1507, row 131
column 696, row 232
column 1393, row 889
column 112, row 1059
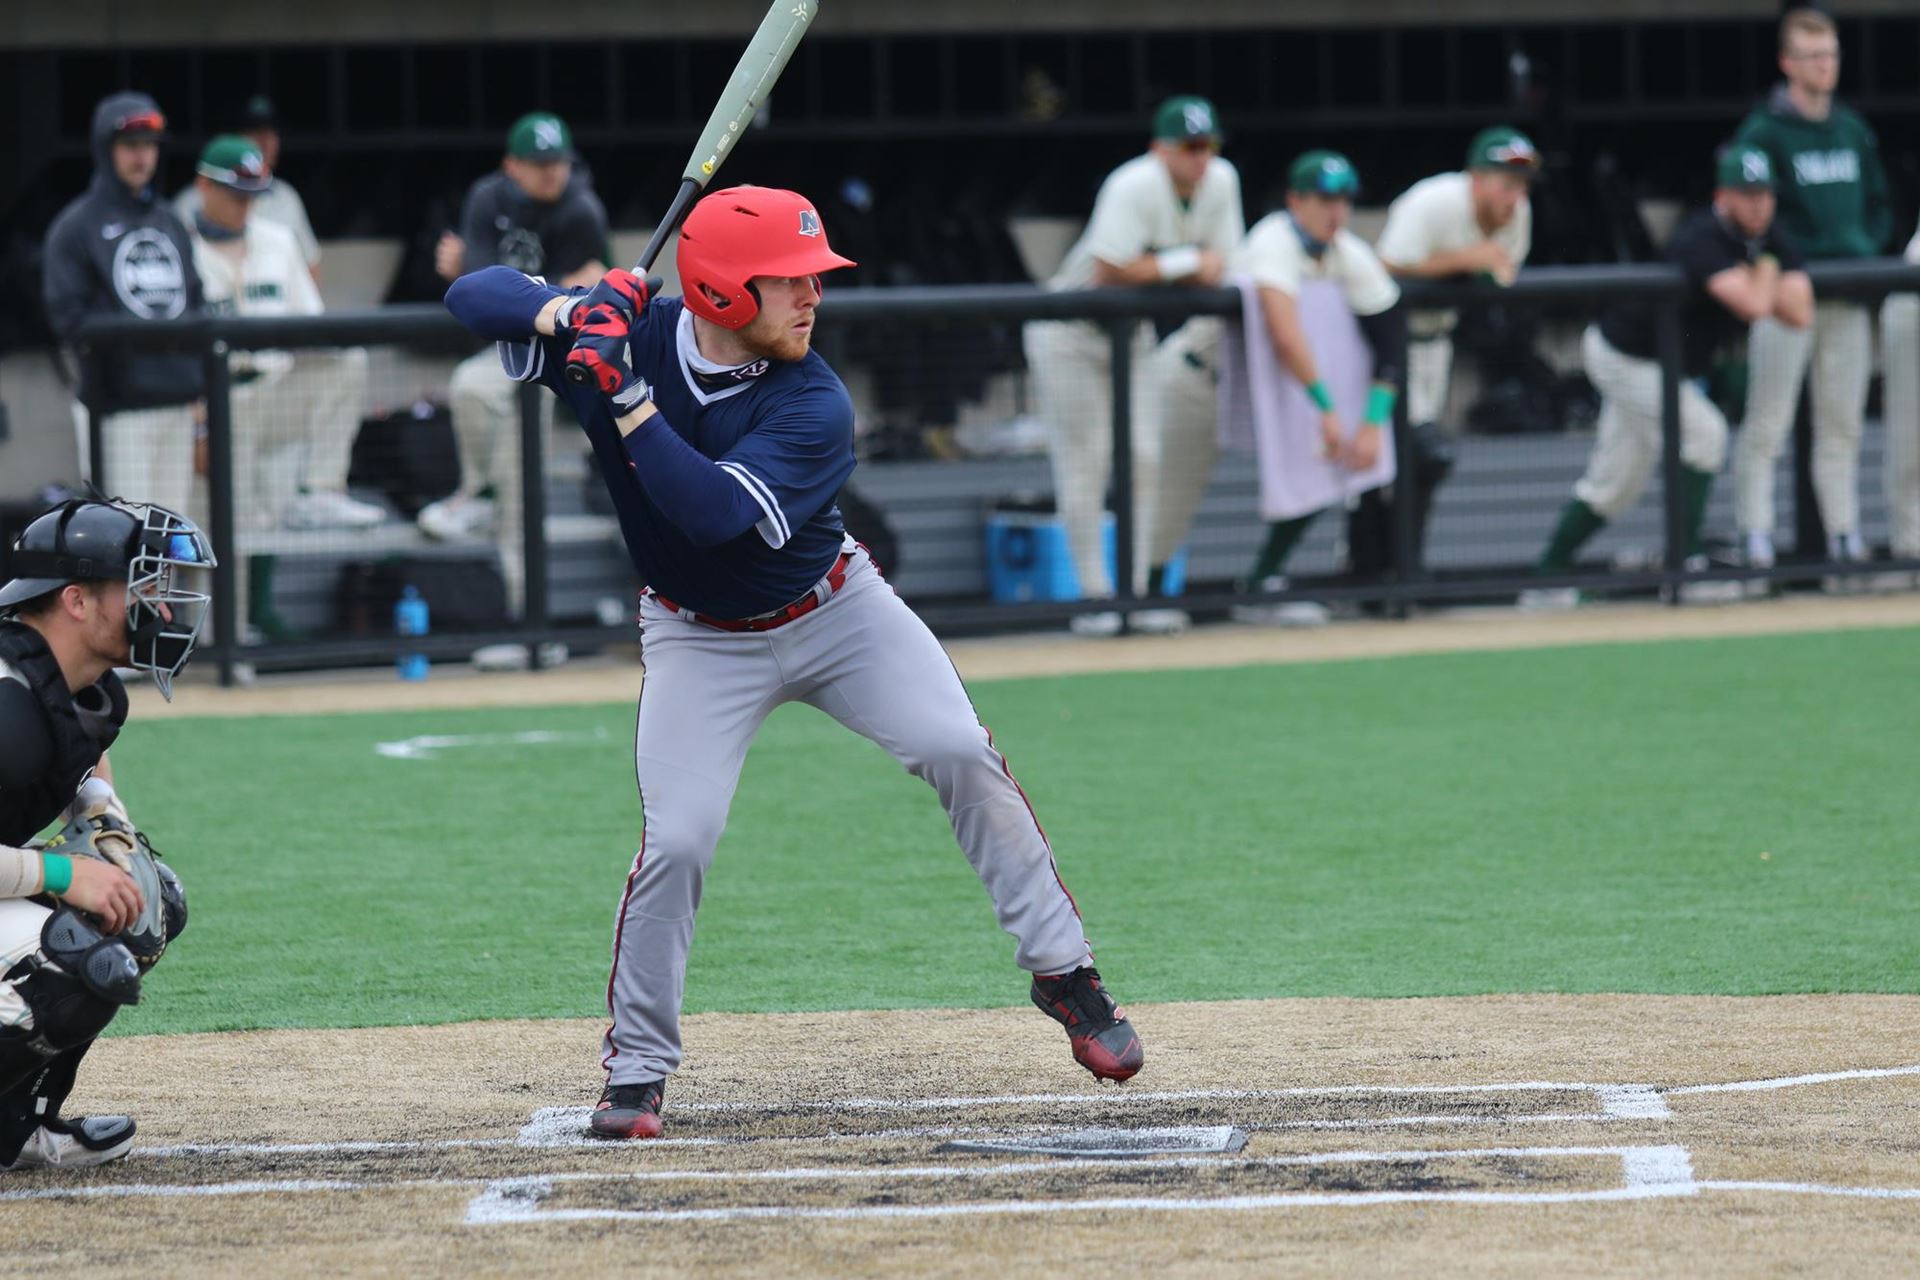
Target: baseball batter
column 1171, row 216
column 723, row 439
column 1476, row 222
column 1308, row 240
column 1741, row 270
column 1833, row 204
column 1900, row 330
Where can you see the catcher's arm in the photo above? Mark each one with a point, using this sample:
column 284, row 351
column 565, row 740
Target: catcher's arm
column 95, row 887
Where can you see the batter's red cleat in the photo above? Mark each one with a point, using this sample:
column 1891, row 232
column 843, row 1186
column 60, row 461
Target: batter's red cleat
column 628, row 1111
column 1104, row 1042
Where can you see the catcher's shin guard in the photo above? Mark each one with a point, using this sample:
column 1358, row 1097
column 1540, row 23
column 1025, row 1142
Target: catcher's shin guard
column 73, row 985
column 1103, row 1041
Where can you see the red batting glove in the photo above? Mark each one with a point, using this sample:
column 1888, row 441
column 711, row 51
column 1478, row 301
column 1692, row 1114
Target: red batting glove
column 622, row 290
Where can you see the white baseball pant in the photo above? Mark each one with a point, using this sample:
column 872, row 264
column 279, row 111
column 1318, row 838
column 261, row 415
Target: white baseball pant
column 296, row 429
column 1840, row 349
column 1071, row 365
column 1628, row 445
column 1429, row 367
column 1900, row 342
column 1178, row 438
column 149, row 454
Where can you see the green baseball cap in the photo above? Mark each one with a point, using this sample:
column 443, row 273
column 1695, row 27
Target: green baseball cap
column 1324, row 173
column 540, row 135
column 1185, row 116
column 234, row 162
column 1743, row 168
column 1503, row 148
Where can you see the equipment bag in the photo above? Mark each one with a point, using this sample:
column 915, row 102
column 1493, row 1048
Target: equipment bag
column 463, row 593
column 408, row 454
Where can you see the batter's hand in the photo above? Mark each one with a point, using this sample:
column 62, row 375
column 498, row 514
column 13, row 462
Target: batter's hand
column 622, row 290
column 604, row 349
column 106, row 891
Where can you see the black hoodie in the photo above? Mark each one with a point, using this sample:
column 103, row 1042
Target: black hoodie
column 119, row 252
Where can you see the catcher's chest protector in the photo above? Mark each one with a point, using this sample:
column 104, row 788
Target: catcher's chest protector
column 76, row 744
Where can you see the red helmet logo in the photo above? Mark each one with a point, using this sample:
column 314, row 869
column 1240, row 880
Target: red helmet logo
column 742, row 232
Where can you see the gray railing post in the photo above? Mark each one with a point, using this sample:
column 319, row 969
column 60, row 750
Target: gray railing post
column 1120, row 331
column 226, row 570
column 96, row 450
column 534, row 618
column 1401, row 511
column 1666, row 323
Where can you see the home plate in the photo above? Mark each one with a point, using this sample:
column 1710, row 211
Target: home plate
column 1219, row 1139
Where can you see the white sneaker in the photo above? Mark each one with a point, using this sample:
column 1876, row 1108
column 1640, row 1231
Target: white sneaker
column 1548, row 600
column 1846, row 548
column 1095, row 625
column 455, row 518
column 78, row 1143
column 1159, row 622
column 511, row 656
column 1713, row 590
column 1293, row 613
column 331, row 509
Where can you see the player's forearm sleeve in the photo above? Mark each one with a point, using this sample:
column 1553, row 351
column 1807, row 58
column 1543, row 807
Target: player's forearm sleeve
column 708, row 504
column 20, row 873
column 1386, row 333
column 499, row 303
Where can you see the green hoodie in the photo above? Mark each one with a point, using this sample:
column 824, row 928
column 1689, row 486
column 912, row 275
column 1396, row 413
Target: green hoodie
column 1832, row 188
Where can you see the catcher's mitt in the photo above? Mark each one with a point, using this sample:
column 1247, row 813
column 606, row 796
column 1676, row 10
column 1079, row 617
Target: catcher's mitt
column 102, row 832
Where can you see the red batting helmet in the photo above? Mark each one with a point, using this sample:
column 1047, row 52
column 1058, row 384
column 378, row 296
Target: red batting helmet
column 742, row 232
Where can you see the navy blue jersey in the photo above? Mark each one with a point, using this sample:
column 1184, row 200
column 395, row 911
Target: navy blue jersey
column 771, row 442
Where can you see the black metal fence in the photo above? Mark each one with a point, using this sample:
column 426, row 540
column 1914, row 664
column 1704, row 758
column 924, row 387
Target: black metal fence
column 889, row 316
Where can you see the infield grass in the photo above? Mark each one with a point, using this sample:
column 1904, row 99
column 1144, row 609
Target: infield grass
column 1733, row 816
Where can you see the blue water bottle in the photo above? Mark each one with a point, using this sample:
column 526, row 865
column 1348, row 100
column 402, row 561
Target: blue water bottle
column 410, row 619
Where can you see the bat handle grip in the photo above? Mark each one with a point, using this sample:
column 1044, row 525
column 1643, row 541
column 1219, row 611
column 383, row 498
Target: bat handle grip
column 578, row 376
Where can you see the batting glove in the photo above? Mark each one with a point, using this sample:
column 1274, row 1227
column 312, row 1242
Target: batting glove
column 604, row 349
column 622, row 290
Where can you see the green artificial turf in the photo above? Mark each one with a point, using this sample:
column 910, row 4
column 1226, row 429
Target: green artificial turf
column 1731, row 816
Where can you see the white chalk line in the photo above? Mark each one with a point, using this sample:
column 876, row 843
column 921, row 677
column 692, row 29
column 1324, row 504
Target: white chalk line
column 1790, row 1082
column 1817, row 1189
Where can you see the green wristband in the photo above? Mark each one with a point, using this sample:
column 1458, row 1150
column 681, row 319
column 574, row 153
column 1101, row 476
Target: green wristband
column 57, row 870
column 1380, row 404
column 1318, row 393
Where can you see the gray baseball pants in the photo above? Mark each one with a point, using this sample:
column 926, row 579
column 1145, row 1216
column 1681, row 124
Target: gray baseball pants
column 868, row 661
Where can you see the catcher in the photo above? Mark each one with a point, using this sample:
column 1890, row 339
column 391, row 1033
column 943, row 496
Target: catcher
column 84, row 914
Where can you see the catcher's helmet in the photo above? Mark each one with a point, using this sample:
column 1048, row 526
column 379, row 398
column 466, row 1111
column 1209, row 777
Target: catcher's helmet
column 114, row 541
column 742, row 232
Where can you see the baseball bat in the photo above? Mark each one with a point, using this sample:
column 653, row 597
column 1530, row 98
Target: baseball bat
column 753, row 76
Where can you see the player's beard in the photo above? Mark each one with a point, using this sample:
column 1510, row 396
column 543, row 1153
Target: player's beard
column 784, row 345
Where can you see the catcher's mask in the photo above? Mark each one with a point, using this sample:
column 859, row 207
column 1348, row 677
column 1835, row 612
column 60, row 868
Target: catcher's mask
column 146, row 546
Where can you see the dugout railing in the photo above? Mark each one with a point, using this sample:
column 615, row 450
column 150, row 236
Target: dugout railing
column 1577, row 291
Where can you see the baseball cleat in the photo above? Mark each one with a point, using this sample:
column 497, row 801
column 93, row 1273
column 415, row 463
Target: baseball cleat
column 1103, row 1041
column 628, row 1111
column 78, row 1143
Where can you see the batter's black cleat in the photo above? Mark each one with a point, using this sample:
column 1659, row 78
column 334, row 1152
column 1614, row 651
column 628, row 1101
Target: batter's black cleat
column 628, row 1111
column 1104, row 1042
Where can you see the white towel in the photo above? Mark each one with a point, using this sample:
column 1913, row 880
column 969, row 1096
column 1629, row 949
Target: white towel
column 1263, row 408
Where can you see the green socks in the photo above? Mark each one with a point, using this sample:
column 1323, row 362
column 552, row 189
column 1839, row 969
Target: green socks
column 1694, row 488
column 1578, row 522
column 1282, row 537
